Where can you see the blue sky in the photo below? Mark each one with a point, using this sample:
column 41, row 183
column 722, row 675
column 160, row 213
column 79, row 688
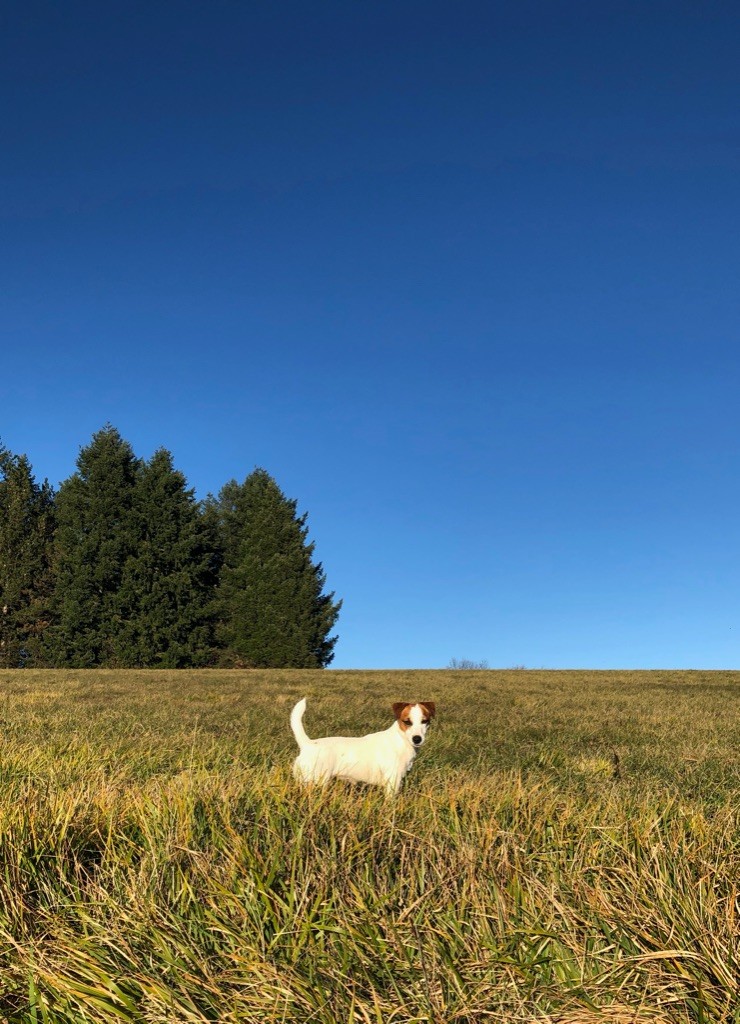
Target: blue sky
column 462, row 276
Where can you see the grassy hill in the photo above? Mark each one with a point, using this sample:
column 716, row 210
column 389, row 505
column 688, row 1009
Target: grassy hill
column 566, row 849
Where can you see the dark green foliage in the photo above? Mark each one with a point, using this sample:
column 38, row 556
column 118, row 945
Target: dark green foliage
column 125, row 569
column 98, row 530
column 137, row 563
column 170, row 579
column 273, row 611
column 26, row 581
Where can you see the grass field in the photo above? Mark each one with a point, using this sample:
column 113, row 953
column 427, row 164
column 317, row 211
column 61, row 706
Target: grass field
column 566, row 849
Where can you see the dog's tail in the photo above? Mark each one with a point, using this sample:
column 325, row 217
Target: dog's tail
column 296, row 724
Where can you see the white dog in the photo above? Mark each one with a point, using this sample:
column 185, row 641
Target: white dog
column 381, row 759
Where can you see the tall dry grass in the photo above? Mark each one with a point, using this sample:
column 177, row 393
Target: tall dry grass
column 567, row 849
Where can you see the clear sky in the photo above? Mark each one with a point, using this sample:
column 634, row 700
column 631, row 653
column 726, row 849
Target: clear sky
column 463, row 277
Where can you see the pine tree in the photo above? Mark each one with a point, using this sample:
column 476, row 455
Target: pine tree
column 96, row 535
column 169, row 581
column 274, row 612
column 26, row 579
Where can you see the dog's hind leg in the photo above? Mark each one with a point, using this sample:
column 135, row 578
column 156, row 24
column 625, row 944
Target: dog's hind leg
column 308, row 771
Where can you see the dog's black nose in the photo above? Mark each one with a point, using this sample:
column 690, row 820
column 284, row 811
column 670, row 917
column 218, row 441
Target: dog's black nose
column 416, row 739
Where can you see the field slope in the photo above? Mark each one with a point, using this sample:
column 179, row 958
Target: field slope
column 566, row 849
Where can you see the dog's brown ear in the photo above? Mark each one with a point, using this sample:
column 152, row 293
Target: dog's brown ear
column 398, row 708
column 430, row 706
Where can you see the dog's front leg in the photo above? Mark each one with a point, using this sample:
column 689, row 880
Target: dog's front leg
column 392, row 785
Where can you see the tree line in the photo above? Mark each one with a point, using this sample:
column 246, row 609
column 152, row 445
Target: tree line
column 123, row 567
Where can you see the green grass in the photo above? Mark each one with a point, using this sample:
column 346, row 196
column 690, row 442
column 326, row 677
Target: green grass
column 566, row 849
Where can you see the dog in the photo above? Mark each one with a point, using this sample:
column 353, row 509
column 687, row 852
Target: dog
column 379, row 759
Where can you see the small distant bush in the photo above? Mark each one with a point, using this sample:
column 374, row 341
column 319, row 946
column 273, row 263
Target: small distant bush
column 467, row 663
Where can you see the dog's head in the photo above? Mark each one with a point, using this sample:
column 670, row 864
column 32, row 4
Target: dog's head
column 413, row 719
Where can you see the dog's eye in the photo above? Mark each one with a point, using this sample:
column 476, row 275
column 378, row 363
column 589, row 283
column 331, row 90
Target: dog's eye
column 425, row 721
column 407, row 721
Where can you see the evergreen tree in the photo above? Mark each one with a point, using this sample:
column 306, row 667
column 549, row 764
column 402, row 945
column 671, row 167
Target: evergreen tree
column 97, row 532
column 169, row 581
column 26, row 579
column 274, row 613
